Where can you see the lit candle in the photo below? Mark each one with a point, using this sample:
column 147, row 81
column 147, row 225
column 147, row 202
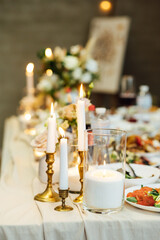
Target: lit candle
column 81, row 121
column 30, row 78
column 63, row 180
column 38, row 154
column 51, row 137
column 48, row 53
column 27, row 116
column 103, row 188
column 30, row 131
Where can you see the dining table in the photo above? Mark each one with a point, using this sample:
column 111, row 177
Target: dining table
column 21, row 217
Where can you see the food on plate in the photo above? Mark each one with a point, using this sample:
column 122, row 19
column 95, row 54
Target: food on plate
column 131, row 158
column 156, row 137
column 129, row 176
column 153, row 109
column 146, row 196
column 138, row 144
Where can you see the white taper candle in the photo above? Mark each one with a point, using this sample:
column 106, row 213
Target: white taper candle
column 30, row 78
column 51, row 137
column 63, row 180
column 81, row 121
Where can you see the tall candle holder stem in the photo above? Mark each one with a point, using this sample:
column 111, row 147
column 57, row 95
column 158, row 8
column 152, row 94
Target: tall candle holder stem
column 49, row 195
column 82, row 155
column 63, row 208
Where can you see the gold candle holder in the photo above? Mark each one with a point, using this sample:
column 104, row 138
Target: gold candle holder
column 82, row 155
column 49, row 195
column 63, row 208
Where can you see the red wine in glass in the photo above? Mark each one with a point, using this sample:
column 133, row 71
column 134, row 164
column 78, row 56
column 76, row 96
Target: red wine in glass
column 127, row 99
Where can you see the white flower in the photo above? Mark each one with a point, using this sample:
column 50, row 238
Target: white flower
column 83, row 55
column 77, row 73
column 47, row 83
column 54, row 80
column 86, row 78
column 75, row 49
column 44, row 85
column 70, row 62
column 92, row 66
column 59, row 53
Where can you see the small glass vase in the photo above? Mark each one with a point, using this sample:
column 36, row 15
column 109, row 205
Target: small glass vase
column 104, row 170
column 73, row 154
column 73, row 172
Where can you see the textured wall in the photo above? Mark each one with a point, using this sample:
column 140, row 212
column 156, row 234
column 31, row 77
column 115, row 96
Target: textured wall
column 143, row 52
column 29, row 25
column 26, row 27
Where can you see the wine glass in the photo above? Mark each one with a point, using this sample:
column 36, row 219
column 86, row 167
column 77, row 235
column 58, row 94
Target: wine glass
column 127, row 91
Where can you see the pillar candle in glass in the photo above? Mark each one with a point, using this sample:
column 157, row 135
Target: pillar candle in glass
column 63, row 180
column 30, row 78
column 103, row 184
column 51, row 137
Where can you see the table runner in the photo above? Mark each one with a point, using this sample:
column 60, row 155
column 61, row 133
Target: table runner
column 21, row 214
column 59, row 225
column 129, row 224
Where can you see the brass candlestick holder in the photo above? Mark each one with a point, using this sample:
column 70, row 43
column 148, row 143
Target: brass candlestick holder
column 49, row 195
column 63, row 208
column 82, row 155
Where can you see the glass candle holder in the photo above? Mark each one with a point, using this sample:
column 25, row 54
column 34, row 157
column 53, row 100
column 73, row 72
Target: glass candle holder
column 104, row 170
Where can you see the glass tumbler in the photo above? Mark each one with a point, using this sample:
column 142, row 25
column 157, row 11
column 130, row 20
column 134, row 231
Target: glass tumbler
column 104, row 170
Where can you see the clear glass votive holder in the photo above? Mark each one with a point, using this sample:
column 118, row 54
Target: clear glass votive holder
column 104, row 170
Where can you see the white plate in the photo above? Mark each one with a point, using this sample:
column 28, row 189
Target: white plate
column 154, row 157
column 148, row 154
column 143, row 171
column 154, row 160
column 152, row 209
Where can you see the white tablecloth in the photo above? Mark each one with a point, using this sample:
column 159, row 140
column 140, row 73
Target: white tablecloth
column 23, row 218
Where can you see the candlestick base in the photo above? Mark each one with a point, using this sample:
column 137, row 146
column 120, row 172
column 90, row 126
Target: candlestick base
column 82, row 155
column 66, row 208
column 79, row 199
column 63, row 208
column 49, row 195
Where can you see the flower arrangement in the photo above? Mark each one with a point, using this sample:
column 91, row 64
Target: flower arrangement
column 63, row 70
column 68, row 116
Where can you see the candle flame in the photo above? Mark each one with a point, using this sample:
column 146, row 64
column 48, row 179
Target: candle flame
column 48, row 52
column 30, row 67
column 81, row 91
column 49, row 72
column 38, row 153
column 27, row 116
column 104, row 162
column 62, row 132
column 52, row 109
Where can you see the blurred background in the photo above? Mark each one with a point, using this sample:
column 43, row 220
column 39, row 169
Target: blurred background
column 28, row 26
